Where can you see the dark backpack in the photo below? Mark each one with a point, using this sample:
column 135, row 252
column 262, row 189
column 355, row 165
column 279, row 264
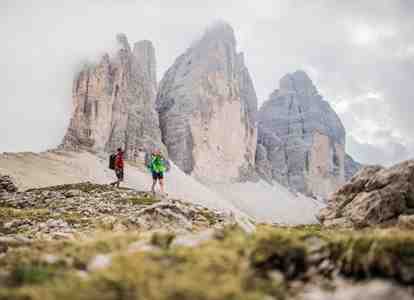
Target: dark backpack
column 112, row 159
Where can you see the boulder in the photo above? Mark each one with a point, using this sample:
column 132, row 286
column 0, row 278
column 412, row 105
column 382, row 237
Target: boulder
column 114, row 102
column 7, row 186
column 207, row 108
column 374, row 196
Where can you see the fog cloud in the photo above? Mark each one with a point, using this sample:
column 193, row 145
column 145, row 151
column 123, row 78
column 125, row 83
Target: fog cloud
column 360, row 54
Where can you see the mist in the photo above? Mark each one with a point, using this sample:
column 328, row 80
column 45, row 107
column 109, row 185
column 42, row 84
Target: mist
column 360, row 55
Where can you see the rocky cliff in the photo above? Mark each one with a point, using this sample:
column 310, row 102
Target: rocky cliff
column 351, row 167
column 301, row 139
column 114, row 102
column 207, row 107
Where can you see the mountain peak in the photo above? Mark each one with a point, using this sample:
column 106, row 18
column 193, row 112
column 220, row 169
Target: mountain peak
column 122, row 40
column 220, row 31
column 297, row 81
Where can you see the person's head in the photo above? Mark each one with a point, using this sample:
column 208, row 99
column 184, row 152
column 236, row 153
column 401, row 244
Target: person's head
column 157, row 152
column 119, row 150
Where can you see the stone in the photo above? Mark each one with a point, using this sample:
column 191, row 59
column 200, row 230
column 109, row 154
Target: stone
column 374, row 196
column 317, row 250
column 301, row 140
column 7, row 186
column 406, row 222
column 87, row 207
column 50, row 259
column 193, row 240
column 13, row 241
column 114, row 103
column 207, row 108
column 99, row 262
column 373, row 290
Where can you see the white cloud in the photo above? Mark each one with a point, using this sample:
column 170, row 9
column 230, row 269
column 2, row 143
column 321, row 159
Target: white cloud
column 44, row 43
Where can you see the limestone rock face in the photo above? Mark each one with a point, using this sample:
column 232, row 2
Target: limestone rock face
column 114, row 102
column 351, row 167
column 207, row 108
column 303, row 137
column 375, row 195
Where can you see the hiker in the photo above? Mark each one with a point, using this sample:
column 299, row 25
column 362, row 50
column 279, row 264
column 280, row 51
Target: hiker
column 117, row 164
column 158, row 165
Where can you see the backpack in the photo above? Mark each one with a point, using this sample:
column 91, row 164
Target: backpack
column 112, row 159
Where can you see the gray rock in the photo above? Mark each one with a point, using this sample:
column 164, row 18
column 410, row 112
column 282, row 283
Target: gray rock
column 406, row 222
column 193, row 240
column 375, row 195
column 114, row 102
column 99, row 262
column 93, row 207
column 207, row 107
column 303, row 137
column 374, row 290
column 7, row 186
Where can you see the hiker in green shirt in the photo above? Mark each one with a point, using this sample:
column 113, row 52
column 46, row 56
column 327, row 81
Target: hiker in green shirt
column 158, row 166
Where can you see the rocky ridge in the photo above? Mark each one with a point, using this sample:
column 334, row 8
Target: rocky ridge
column 207, row 108
column 114, row 102
column 374, row 196
column 67, row 211
column 108, row 242
column 301, row 140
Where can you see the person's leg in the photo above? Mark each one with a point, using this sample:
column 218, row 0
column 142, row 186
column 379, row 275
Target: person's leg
column 154, row 182
column 119, row 176
column 161, row 180
column 114, row 183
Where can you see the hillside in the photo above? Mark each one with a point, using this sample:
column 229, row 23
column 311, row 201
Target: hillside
column 258, row 201
column 93, row 241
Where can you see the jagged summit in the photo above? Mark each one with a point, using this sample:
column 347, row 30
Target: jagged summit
column 207, row 89
column 122, row 40
column 303, row 139
column 220, row 31
column 144, row 52
column 298, row 82
column 114, row 102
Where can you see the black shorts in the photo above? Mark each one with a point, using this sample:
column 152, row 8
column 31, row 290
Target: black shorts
column 156, row 175
column 119, row 174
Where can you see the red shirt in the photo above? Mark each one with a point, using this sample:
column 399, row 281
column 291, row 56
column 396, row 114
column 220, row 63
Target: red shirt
column 119, row 161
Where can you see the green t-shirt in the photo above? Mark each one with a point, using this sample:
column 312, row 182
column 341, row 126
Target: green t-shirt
column 157, row 164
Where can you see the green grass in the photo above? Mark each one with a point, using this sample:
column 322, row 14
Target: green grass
column 233, row 265
column 144, row 200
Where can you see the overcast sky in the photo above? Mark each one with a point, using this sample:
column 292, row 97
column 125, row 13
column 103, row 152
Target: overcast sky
column 360, row 55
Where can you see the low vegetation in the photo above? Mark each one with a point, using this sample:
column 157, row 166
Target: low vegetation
column 231, row 265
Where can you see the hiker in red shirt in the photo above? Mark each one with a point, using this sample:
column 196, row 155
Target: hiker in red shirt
column 119, row 167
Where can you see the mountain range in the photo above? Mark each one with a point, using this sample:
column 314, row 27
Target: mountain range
column 204, row 113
